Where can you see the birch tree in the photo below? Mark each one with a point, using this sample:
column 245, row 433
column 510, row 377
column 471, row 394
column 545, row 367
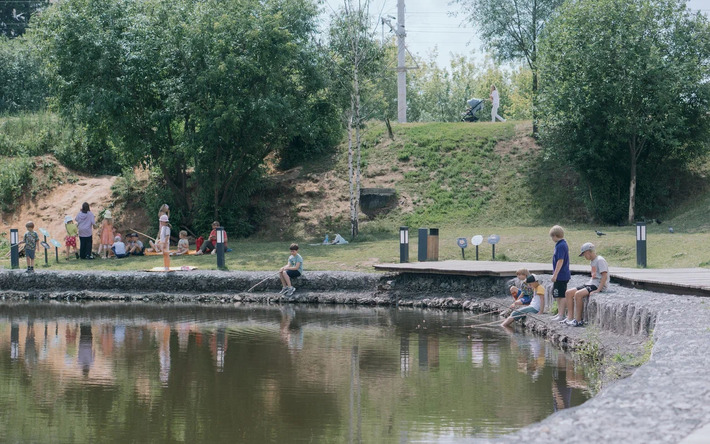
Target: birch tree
column 357, row 55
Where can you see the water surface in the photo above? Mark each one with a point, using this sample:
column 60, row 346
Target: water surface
column 100, row 372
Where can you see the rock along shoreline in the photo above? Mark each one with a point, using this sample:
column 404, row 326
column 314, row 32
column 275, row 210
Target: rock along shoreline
column 665, row 400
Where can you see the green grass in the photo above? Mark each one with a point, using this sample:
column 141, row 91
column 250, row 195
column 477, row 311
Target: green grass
column 528, row 244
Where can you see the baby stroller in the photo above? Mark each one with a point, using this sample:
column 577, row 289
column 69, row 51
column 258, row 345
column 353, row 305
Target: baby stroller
column 474, row 106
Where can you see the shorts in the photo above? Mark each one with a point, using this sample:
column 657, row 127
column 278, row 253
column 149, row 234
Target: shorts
column 525, row 300
column 589, row 288
column 559, row 288
column 520, row 313
column 70, row 241
column 293, row 274
column 138, row 252
column 30, row 253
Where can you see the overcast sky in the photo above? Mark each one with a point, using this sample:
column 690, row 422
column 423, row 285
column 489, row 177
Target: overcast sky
column 430, row 25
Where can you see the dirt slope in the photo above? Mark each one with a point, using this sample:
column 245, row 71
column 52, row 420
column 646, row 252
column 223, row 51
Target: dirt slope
column 48, row 208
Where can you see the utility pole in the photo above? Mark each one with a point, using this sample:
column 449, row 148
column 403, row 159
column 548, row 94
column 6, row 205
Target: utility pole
column 401, row 68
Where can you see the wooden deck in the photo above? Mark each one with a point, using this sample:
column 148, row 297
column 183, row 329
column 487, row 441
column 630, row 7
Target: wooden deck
column 671, row 280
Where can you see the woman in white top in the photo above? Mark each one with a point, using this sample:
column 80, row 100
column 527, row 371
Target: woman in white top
column 495, row 101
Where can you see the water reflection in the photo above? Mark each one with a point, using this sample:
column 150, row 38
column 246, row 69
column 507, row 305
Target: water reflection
column 256, row 373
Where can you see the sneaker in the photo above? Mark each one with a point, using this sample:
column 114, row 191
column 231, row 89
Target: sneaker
column 557, row 318
column 580, row 324
column 291, row 291
column 283, row 290
column 572, row 323
column 562, row 321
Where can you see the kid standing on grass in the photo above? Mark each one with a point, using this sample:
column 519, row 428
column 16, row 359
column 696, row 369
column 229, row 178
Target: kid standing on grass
column 106, row 234
column 30, row 240
column 560, row 270
column 292, row 270
column 72, row 233
column 164, row 240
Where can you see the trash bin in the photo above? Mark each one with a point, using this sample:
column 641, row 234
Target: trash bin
column 433, row 245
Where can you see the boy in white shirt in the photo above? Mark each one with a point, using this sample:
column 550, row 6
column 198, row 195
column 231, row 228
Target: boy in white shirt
column 600, row 277
column 118, row 248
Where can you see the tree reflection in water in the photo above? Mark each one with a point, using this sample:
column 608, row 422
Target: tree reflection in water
column 268, row 373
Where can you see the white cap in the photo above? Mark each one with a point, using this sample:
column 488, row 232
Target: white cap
column 117, row 238
column 586, row 247
column 67, row 219
column 164, row 218
column 107, row 214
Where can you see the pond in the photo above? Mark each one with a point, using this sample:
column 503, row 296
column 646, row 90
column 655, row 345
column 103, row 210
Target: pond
column 146, row 372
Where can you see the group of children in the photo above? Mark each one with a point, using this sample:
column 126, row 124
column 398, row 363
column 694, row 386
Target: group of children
column 111, row 241
column 529, row 294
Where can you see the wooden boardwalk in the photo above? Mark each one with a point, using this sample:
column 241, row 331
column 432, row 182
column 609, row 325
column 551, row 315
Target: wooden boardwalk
column 671, row 280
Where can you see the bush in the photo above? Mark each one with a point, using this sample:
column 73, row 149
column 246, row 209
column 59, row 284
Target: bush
column 15, row 174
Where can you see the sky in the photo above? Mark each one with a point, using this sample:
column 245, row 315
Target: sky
column 433, row 25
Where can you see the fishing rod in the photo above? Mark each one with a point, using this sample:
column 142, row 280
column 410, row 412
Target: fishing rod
column 262, row 281
column 143, row 234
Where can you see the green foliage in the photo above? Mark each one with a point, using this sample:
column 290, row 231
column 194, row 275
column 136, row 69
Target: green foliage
column 436, row 94
column 624, row 98
column 15, row 175
column 37, row 134
column 23, row 86
column 244, row 80
column 15, row 16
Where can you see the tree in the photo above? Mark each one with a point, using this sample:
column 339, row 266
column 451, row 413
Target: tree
column 15, row 15
column 23, row 87
column 203, row 91
column 624, row 89
column 358, row 59
column 511, row 29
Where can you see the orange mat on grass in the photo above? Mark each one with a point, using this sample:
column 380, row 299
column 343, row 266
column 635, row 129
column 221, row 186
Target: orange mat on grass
column 172, row 253
column 183, row 268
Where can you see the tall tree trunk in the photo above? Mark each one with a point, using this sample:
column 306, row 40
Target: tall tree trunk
column 358, row 143
column 350, row 167
column 534, row 102
column 632, row 182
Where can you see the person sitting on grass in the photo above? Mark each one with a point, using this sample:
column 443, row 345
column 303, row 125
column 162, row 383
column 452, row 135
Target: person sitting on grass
column 536, row 305
column 183, row 246
column 210, row 245
column 574, row 297
column 135, row 246
column 292, row 270
column 119, row 248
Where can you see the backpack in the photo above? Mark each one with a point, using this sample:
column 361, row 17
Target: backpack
column 198, row 242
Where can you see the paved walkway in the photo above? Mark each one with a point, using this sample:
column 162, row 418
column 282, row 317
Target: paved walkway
column 673, row 280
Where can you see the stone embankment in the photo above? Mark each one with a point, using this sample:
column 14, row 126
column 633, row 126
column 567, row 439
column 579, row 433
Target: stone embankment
column 664, row 401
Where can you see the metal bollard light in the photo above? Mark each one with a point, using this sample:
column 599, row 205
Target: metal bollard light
column 403, row 245
column 220, row 248
column 14, row 249
column 641, row 244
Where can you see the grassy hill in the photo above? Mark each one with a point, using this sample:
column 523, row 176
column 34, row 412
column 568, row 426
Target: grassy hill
column 443, row 173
